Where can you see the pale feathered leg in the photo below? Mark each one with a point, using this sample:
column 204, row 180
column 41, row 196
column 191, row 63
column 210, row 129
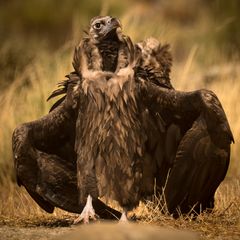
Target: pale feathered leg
column 88, row 212
column 124, row 218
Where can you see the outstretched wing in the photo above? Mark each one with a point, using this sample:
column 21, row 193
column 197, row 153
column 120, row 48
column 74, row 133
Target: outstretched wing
column 44, row 157
column 197, row 171
column 45, row 160
column 197, row 145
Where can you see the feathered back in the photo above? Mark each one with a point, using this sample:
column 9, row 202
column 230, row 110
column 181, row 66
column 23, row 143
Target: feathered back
column 155, row 62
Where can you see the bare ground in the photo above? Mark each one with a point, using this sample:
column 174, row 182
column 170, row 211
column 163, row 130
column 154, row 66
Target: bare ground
column 31, row 233
column 34, row 228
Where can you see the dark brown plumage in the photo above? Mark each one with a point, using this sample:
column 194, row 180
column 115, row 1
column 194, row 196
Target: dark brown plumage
column 120, row 127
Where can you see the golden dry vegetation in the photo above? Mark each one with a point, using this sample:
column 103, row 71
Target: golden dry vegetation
column 36, row 55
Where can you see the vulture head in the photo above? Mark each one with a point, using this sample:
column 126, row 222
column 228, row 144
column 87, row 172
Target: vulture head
column 106, row 27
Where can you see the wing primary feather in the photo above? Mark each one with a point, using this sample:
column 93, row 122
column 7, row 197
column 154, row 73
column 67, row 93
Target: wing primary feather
column 56, row 93
column 57, row 103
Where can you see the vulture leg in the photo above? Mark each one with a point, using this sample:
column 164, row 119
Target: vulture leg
column 124, row 218
column 44, row 160
column 87, row 213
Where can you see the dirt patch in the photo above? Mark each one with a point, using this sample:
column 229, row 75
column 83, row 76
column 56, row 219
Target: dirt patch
column 93, row 231
column 31, row 233
column 38, row 228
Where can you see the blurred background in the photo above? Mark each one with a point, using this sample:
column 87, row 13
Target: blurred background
column 38, row 38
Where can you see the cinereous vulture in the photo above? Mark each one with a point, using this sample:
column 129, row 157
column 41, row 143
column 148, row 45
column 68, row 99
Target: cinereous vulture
column 119, row 129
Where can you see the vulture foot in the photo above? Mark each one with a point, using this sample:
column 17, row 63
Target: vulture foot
column 124, row 218
column 88, row 213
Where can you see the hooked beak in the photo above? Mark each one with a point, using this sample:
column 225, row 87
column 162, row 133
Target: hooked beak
column 115, row 23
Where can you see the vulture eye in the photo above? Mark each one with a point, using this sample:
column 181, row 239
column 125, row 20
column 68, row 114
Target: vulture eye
column 97, row 25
